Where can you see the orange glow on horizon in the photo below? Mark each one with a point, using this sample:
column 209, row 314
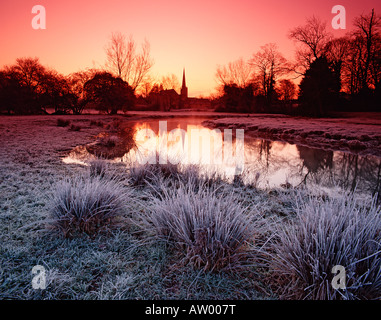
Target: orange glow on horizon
column 195, row 35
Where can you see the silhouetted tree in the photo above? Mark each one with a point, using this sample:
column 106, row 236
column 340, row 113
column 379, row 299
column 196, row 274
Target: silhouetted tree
column 238, row 73
column 337, row 53
column 146, row 86
column 14, row 98
column 270, row 65
column 286, row 91
column 317, row 89
column 76, row 82
column 170, row 81
column 367, row 28
column 109, row 93
column 27, row 87
column 29, row 73
column 124, row 62
column 313, row 38
column 54, row 92
column 361, row 65
column 236, row 99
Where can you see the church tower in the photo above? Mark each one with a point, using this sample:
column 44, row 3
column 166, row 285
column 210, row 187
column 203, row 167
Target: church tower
column 184, row 92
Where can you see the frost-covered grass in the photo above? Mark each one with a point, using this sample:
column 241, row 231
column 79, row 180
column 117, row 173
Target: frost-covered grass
column 206, row 226
column 180, row 233
column 87, row 204
column 325, row 233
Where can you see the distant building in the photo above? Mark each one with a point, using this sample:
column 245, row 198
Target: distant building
column 166, row 100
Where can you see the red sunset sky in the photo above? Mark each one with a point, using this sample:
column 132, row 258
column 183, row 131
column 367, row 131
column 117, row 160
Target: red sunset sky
column 196, row 35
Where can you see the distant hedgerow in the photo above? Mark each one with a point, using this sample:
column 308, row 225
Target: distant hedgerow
column 86, row 205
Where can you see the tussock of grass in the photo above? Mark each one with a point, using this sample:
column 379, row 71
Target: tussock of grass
column 142, row 175
column 325, row 233
column 98, row 168
column 86, row 205
column 207, row 227
column 158, row 177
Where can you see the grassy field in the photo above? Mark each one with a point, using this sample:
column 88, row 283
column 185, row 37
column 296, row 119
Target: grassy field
column 105, row 231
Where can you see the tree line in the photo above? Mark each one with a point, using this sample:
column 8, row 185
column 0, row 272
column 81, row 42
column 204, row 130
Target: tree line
column 28, row 87
column 337, row 74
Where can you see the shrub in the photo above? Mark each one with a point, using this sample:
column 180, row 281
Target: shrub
column 109, row 141
column 74, row 127
column 96, row 123
column 62, row 122
column 86, row 205
column 325, row 233
column 207, row 227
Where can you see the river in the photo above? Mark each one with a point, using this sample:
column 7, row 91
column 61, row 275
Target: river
column 261, row 162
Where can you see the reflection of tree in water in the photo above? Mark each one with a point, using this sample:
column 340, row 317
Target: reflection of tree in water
column 257, row 159
column 266, row 158
column 315, row 166
column 316, row 161
column 264, row 151
column 350, row 171
column 360, row 172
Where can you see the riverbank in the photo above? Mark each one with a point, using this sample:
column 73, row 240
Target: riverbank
column 358, row 133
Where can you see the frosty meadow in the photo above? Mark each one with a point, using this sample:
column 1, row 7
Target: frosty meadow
column 257, row 176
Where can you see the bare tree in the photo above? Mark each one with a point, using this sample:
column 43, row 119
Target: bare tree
column 367, row 38
column 146, row 86
column 238, row 72
column 170, row 81
column 337, row 53
column 313, row 38
column 124, row 62
column 119, row 54
column 270, row 65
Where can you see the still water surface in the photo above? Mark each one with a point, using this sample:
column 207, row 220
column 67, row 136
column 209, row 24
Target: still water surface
column 266, row 163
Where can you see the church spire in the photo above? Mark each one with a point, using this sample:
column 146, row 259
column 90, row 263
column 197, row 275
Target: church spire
column 184, row 89
column 184, row 84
